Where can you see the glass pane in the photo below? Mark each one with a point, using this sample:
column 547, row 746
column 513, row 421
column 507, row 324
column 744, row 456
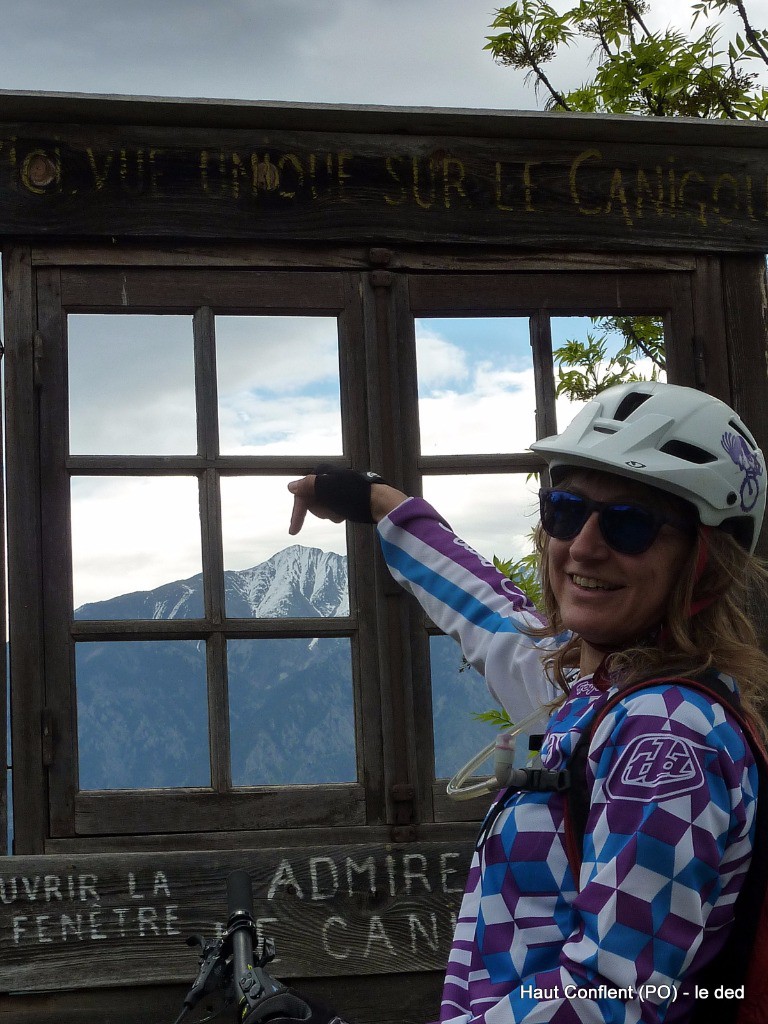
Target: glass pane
column 495, row 513
column 458, row 693
column 476, row 389
column 135, row 545
column 291, row 711
column 142, row 714
column 267, row 572
column 593, row 342
column 278, row 384
column 131, row 384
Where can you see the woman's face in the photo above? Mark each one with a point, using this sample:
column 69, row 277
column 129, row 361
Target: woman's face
column 610, row 599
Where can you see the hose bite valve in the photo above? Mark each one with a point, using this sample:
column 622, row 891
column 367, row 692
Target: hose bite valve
column 509, row 768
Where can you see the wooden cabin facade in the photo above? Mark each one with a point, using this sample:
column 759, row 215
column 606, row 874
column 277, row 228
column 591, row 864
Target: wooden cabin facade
column 373, row 217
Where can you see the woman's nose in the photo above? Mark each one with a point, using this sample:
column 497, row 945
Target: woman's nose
column 589, row 541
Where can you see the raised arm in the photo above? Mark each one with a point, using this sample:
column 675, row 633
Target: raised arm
column 462, row 592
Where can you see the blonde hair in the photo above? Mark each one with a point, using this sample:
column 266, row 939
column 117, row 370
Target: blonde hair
column 722, row 635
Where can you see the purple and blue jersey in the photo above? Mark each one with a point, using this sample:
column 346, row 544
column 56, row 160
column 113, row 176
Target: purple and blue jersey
column 668, row 838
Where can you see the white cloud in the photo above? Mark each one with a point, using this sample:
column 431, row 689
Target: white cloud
column 132, row 533
column 131, row 385
column 440, row 361
column 275, row 353
column 493, row 412
column 281, row 426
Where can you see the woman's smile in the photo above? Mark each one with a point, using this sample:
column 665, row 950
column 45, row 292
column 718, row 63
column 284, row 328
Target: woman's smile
column 588, row 583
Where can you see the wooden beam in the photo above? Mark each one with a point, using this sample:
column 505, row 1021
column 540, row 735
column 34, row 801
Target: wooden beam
column 611, row 190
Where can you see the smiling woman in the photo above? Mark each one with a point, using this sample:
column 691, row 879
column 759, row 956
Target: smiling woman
column 646, row 542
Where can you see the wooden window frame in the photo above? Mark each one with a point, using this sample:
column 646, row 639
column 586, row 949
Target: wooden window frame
column 398, row 796
column 220, row 807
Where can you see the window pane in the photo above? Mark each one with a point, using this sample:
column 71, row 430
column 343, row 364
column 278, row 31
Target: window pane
column 136, row 548
column 458, row 694
column 476, row 390
column 142, row 714
column 291, row 711
column 131, row 384
column 267, row 574
column 599, row 339
column 495, row 513
column 278, row 385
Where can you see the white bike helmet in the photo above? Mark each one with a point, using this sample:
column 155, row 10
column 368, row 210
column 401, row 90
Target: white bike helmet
column 676, row 439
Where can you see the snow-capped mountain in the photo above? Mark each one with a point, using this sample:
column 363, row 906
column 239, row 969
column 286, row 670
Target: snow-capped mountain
column 298, row 582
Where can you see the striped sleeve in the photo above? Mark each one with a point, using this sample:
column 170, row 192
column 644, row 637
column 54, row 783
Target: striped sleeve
column 469, row 599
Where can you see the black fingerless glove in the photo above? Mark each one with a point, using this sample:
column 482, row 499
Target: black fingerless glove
column 288, row 1007
column 346, row 492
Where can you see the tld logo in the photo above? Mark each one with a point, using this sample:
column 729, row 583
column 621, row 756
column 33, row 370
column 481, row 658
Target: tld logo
column 657, row 766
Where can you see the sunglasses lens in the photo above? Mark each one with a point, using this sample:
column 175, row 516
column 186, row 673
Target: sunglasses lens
column 628, row 529
column 563, row 514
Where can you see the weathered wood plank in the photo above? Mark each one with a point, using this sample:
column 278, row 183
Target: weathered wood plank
column 265, row 254
column 90, row 108
column 133, row 811
column 143, row 289
column 615, row 293
column 57, row 583
column 745, row 296
column 24, row 555
column 106, row 920
column 247, row 839
column 123, row 181
column 710, row 353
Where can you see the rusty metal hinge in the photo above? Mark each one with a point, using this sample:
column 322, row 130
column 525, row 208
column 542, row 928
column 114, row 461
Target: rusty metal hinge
column 46, row 729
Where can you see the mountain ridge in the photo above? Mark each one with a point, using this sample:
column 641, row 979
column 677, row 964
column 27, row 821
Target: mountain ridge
column 296, row 582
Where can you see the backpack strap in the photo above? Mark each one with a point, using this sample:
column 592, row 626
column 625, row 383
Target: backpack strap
column 744, row 958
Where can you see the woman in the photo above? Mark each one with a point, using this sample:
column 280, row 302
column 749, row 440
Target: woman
column 646, row 544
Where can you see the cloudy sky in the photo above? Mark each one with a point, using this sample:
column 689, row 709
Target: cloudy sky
column 402, row 52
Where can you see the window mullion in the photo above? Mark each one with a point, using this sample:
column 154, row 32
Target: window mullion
column 206, row 399
column 543, row 374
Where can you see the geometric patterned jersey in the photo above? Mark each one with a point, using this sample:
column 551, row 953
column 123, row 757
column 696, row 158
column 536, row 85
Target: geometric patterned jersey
column 668, row 837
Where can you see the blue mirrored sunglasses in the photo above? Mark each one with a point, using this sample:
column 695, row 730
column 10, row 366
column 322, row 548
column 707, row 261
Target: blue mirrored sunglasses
column 627, row 528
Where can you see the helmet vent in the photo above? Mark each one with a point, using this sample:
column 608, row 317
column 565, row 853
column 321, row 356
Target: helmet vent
column 605, row 430
column 740, row 429
column 688, row 452
column 628, row 405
